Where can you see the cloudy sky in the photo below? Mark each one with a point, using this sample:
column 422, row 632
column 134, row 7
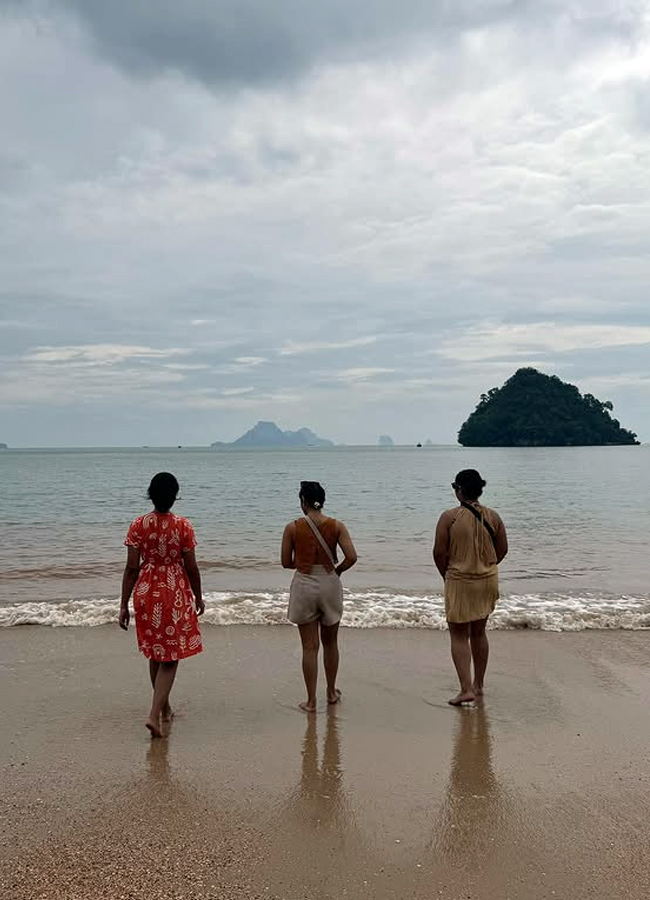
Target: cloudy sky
column 356, row 215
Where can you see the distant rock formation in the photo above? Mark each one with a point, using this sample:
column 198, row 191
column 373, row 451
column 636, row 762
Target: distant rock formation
column 4, row 446
column 267, row 434
column 385, row 440
column 537, row 410
column 428, row 443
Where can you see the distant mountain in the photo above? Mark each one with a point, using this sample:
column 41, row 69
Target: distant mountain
column 267, row 434
column 385, row 440
column 536, row 410
column 4, row 447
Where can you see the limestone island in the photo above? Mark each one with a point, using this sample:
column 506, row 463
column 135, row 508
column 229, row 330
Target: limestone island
column 385, row 440
column 4, row 446
column 267, row 434
column 537, row 410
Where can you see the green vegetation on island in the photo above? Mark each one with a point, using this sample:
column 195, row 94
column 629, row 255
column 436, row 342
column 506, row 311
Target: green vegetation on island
column 537, row 410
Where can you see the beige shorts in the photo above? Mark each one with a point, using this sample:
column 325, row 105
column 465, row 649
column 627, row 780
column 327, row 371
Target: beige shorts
column 314, row 597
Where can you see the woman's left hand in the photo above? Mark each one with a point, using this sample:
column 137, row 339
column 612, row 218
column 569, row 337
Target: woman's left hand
column 200, row 606
column 124, row 617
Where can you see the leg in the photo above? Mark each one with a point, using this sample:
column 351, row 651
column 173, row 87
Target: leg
column 153, row 671
column 164, row 681
column 480, row 652
column 167, row 713
column 329, row 637
column 310, row 645
column 462, row 657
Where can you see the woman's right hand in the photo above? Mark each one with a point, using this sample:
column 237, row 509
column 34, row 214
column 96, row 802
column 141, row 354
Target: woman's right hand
column 125, row 616
column 200, row 605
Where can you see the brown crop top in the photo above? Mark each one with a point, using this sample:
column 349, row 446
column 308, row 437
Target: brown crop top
column 307, row 551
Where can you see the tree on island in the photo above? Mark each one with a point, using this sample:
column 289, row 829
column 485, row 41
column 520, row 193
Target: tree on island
column 537, row 410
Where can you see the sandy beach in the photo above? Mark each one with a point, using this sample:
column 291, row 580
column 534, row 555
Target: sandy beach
column 541, row 791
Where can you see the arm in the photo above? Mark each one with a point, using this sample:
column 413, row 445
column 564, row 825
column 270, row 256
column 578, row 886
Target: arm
column 349, row 552
column 194, row 576
column 287, row 551
column 441, row 544
column 500, row 540
column 131, row 570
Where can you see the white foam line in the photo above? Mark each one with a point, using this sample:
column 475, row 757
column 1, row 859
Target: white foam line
column 365, row 609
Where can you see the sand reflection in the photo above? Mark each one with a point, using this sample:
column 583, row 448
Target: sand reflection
column 319, row 799
column 476, row 808
column 314, row 835
column 157, row 757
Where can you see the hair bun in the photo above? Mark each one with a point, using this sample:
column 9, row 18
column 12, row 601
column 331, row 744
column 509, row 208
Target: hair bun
column 312, row 493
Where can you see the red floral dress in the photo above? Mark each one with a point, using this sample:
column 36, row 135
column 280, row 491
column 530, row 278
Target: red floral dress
column 166, row 622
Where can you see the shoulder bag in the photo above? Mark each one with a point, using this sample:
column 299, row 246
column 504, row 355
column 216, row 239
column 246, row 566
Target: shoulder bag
column 474, row 511
column 321, row 540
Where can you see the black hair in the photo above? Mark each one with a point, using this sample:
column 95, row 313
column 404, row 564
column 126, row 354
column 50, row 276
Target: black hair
column 312, row 493
column 163, row 491
column 471, row 483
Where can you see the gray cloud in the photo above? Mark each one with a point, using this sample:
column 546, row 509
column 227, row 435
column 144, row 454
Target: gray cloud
column 253, row 42
column 387, row 221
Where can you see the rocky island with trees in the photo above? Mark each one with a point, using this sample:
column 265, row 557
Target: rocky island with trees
column 536, row 410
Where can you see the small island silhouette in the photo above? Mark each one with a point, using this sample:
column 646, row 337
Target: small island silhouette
column 267, row 434
column 537, row 410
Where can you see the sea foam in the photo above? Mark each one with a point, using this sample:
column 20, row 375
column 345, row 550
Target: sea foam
column 366, row 609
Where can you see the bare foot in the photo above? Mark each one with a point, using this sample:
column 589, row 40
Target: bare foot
column 154, row 728
column 478, row 690
column 307, row 707
column 335, row 697
column 167, row 713
column 463, row 697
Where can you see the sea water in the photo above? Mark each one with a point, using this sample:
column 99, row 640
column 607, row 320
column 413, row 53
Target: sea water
column 578, row 521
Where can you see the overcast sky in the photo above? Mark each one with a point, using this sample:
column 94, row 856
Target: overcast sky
column 355, row 216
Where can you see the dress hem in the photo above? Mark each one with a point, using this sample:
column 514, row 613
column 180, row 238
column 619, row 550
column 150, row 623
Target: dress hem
column 148, row 655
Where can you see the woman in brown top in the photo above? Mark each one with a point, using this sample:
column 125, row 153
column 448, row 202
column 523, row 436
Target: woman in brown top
column 469, row 544
column 316, row 596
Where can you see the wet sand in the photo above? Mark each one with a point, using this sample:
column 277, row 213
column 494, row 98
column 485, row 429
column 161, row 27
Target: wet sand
column 542, row 791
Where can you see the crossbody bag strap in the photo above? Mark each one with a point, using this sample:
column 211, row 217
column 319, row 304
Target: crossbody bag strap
column 321, row 540
column 474, row 511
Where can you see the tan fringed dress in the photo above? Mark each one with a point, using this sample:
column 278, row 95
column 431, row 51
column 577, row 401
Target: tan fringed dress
column 472, row 579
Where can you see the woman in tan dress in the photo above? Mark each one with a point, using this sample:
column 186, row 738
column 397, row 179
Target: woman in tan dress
column 469, row 544
column 316, row 596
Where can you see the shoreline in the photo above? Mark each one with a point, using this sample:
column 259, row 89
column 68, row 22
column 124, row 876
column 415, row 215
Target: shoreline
column 365, row 610
column 538, row 792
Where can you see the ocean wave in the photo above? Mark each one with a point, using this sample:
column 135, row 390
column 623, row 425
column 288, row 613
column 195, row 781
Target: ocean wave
column 366, row 609
column 72, row 571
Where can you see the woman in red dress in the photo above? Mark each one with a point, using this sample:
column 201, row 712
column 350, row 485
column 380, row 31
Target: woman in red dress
column 161, row 566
